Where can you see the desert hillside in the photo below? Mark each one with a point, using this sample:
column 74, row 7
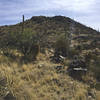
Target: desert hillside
column 49, row 58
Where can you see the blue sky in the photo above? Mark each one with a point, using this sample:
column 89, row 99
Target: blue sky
column 84, row 11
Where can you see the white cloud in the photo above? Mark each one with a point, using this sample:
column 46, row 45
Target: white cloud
column 91, row 21
column 36, row 5
column 86, row 11
column 75, row 5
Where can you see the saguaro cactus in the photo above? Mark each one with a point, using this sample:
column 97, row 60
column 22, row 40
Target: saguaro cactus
column 23, row 23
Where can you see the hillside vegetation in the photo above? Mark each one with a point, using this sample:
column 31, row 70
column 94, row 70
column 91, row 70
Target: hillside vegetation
column 49, row 58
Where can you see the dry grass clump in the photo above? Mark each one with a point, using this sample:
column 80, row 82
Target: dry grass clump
column 81, row 94
column 98, row 95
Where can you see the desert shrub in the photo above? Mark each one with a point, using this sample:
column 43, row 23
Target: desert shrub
column 73, row 52
column 25, row 42
column 61, row 46
column 83, row 47
column 95, row 68
column 93, row 64
column 28, row 44
column 79, row 47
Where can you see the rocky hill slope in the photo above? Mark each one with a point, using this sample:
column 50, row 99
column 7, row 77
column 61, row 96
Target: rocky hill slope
column 49, row 28
column 46, row 77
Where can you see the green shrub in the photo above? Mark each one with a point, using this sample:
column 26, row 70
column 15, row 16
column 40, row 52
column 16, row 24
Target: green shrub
column 61, row 46
column 73, row 52
column 96, row 68
column 25, row 42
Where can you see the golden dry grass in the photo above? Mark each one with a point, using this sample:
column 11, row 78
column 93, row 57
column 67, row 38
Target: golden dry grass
column 39, row 81
column 98, row 95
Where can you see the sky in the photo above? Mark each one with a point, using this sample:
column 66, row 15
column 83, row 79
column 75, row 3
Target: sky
column 84, row 11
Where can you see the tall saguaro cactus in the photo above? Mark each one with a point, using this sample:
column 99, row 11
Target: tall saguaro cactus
column 23, row 23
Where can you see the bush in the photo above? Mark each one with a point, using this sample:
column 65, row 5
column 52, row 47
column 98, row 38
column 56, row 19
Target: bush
column 25, row 42
column 61, row 46
column 93, row 64
column 73, row 52
column 95, row 67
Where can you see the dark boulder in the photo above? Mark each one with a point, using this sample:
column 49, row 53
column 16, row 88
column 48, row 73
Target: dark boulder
column 77, row 67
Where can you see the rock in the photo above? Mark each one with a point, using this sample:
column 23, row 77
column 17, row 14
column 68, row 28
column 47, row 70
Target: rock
column 80, row 69
column 57, row 58
column 63, row 58
column 77, row 67
column 40, row 65
column 60, row 69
